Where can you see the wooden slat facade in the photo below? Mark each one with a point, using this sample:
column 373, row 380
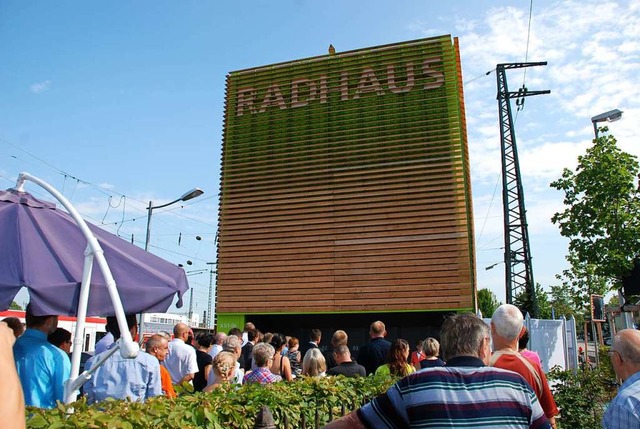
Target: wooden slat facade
column 345, row 185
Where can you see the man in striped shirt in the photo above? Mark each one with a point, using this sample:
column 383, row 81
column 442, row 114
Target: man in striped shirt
column 465, row 393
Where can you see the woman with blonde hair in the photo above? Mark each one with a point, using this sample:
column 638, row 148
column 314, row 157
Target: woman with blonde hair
column 431, row 349
column 314, row 364
column 223, row 369
column 397, row 360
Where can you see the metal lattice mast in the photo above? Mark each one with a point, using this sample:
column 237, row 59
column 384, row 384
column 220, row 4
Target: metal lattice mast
column 517, row 252
column 210, row 299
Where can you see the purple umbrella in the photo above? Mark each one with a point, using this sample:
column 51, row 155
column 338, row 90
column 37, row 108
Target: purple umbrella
column 52, row 254
column 42, row 248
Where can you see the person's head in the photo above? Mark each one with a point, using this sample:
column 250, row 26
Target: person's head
column 465, row 335
column 339, row 338
column 506, row 326
column 625, row 353
column 251, row 335
column 224, row 365
column 315, row 336
column 233, row 345
column 219, row 338
column 236, row 331
column 431, row 347
column 132, row 324
column 278, row 342
column 397, row 357
column 205, row 341
column 181, row 331
column 524, row 340
column 266, row 338
column 158, row 346
column 342, row 354
column 293, row 343
column 165, row 334
column 263, row 354
column 313, row 363
column 61, row 338
column 249, row 326
column 419, row 345
column 15, row 324
column 377, row 330
column 46, row 324
column 190, row 337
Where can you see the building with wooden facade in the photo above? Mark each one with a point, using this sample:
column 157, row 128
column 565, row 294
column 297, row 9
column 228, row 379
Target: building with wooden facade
column 345, row 193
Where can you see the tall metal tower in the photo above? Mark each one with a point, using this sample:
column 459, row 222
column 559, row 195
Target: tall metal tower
column 517, row 252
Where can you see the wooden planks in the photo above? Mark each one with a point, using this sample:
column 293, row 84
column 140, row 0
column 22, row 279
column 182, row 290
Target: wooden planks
column 358, row 201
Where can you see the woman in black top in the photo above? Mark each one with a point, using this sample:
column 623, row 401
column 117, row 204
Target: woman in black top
column 204, row 359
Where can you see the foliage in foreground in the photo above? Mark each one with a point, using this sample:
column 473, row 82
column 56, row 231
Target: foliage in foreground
column 227, row 407
column 582, row 396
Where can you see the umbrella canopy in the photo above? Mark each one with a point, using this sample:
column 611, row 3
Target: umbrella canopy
column 42, row 248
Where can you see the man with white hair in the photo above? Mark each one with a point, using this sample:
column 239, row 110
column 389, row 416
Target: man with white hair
column 506, row 327
column 217, row 344
column 624, row 410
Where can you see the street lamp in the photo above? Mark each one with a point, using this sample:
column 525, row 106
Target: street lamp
column 196, row 192
column 610, row 116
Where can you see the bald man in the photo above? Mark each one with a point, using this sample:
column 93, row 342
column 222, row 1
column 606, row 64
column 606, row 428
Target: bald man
column 374, row 354
column 182, row 361
column 624, row 410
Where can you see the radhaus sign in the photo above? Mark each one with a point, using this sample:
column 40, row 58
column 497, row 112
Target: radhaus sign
column 350, row 86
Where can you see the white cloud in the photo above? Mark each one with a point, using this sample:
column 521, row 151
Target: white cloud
column 592, row 67
column 40, row 87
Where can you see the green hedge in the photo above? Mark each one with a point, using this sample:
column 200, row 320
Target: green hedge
column 227, row 407
column 582, row 395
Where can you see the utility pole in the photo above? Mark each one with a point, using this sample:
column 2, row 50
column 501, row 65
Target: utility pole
column 210, row 300
column 517, row 252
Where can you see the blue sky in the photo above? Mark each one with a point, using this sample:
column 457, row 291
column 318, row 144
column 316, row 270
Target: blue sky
column 128, row 98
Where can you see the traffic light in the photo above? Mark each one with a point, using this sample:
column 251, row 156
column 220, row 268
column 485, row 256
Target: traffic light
column 597, row 308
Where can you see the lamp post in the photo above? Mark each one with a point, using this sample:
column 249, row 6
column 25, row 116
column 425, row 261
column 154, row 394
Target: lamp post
column 610, row 116
column 195, row 192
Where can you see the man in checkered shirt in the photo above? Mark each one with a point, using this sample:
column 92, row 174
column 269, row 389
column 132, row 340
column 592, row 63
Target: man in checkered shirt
column 262, row 356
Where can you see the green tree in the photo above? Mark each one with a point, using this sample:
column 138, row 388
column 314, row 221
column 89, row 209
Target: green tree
column 562, row 302
column 487, row 302
column 581, row 281
column 14, row 306
column 601, row 218
column 523, row 301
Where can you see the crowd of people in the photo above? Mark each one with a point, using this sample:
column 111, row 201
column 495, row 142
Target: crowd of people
column 479, row 374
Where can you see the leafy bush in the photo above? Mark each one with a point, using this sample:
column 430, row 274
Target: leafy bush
column 582, row 396
column 312, row 400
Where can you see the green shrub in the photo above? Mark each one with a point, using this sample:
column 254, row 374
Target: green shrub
column 582, row 396
column 311, row 399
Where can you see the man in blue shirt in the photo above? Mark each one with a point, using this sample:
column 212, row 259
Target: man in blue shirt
column 42, row 367
column 120, row 378
column 624, row 410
